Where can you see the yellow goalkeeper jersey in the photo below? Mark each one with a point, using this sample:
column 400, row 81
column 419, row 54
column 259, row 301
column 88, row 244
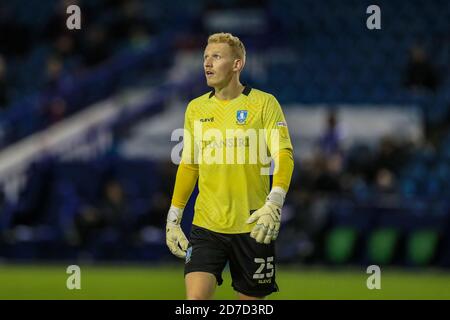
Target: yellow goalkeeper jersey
column 233, row 142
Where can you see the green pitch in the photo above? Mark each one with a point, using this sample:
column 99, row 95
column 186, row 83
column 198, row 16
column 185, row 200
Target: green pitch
column 166, row 282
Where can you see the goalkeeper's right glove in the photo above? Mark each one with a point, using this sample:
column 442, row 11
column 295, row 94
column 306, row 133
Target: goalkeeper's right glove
column 175, row 238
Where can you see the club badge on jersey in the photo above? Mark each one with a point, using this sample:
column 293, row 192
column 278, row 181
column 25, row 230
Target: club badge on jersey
column 241, row 116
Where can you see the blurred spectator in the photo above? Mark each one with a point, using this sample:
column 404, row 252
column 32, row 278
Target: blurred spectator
column 55, row 111
column 53, row 73
column 160, row 200
column 390, row 155
column 96, row 48
column 4, row 94
column 327, row 164
column 420, row 73
column 110, row 214
column 87, row 222
column 385, row 182
column 35, row 197
column 328, row 178
column 330, row 141
column 150, row 227
column 139, row 38
column 167, row 170
column 157, row 213
column 113, row 206
column 64, row 47
column 130, row 20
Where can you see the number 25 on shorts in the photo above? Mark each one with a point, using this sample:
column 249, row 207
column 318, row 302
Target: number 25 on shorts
column 259, row 274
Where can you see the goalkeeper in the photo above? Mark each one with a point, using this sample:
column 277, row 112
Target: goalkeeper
column 237, row 213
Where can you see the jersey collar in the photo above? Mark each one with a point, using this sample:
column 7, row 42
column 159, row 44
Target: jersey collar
column 246, row 91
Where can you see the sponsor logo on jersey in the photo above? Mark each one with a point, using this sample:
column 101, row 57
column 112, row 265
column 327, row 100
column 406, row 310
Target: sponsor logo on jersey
column 207, row 119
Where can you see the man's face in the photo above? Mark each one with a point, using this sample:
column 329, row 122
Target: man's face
column 219, row 64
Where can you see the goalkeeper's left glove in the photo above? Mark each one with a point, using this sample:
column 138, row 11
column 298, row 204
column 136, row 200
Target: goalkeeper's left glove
column 268, row 217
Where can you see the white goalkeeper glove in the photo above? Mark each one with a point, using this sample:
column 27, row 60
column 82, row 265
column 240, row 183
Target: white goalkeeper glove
column 175, row 238
column 268, row 217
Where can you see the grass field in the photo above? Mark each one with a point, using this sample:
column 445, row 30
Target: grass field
column 166, row 282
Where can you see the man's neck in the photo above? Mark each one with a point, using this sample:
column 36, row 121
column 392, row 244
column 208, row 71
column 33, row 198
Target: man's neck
column 230, row 91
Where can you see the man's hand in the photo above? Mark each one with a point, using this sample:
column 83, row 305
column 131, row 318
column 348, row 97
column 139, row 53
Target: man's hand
column 175, row 238
column 268, row 218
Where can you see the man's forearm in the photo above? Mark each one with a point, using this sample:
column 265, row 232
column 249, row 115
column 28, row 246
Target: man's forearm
column 284, row 166
column 185, row 181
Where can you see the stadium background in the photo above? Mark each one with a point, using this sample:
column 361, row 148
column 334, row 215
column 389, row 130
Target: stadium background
column 85, row 142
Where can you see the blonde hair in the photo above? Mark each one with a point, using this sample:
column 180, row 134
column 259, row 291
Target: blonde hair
column 234, row 42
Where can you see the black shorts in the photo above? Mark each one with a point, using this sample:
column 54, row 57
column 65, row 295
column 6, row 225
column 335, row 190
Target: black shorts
column 252, row 265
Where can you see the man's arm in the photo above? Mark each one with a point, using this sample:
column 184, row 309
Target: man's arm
column 187, row 175
column 284, row 166
column 185, row 181
column 268, row 217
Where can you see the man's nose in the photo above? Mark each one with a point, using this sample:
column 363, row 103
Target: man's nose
column 208, row 63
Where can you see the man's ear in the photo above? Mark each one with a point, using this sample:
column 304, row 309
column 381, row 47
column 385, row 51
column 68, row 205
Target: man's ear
column 238, row 65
